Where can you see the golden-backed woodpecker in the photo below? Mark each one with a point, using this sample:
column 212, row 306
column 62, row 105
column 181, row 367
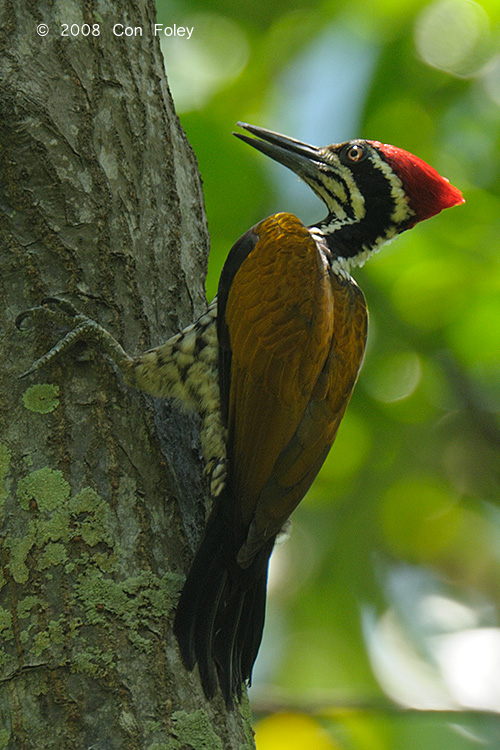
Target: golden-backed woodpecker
column 271, row 367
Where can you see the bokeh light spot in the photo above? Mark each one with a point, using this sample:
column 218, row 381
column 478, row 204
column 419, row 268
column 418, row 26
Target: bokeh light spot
column 199, row 67
column 453, row 35
column 393, row 377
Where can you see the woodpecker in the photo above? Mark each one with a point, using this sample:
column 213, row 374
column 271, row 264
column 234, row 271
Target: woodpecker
column 270, row 366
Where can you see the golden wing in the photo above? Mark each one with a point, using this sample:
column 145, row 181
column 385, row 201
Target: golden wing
column 297, row 334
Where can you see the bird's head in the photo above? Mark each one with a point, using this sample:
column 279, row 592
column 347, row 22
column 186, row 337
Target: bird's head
column 372, row 191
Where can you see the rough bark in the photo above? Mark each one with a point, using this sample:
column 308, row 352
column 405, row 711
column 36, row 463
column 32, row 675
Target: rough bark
column 101, row 491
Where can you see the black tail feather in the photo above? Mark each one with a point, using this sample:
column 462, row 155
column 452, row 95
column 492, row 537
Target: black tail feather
column 220, row 616
column 250, row 635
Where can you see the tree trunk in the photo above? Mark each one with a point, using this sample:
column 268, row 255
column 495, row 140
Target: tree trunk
column 102, row 499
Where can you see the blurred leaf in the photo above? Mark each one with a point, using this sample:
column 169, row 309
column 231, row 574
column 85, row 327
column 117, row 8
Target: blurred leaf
column 293, row 732
column 420, row 519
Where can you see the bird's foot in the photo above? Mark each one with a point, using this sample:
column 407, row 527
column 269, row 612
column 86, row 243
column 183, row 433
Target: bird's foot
column 81, row 328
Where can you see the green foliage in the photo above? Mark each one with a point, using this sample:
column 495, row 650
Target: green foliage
column 393, row 555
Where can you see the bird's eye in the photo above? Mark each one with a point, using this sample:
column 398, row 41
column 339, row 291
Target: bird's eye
column 354, row 153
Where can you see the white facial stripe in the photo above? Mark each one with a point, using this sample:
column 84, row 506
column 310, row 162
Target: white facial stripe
column 336, row 188
column 356, row 198
column 402, row 210
column 344, row 189
column 326, row 194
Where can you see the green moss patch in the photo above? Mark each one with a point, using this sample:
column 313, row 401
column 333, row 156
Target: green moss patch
column 5, row 456
column 46, row 487
column 41, row 398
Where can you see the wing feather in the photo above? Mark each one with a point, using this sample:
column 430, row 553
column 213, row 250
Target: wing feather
column 279, row 315
column 297, row 335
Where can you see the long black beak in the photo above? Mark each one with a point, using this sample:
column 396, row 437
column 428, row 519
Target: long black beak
column 301, row 158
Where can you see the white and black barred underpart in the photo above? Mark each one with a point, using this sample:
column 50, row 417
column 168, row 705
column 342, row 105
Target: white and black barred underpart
column 186, row 368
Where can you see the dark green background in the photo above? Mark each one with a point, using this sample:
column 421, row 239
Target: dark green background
column 394, row 554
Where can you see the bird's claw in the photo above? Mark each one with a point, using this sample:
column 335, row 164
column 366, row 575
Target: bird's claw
column 52, row 309
column 81, row 327
column 62, row 304
column 60, row 312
